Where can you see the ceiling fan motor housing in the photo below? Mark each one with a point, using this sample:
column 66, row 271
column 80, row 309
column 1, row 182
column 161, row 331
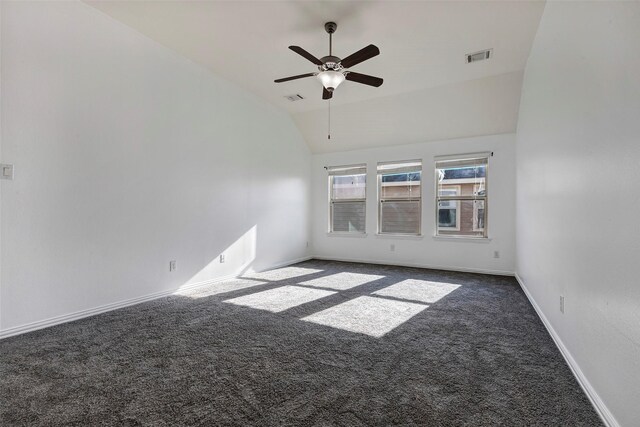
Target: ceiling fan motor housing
column 330, row 62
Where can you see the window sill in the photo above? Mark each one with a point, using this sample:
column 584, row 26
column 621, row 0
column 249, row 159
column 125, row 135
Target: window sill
column 399, row 236
column 469, row 239
column 346, row 234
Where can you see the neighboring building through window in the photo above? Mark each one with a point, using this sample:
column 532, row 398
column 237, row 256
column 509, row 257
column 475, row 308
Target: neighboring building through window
column 449, row 210
column 400, row 197
column 347, row 193
column 461, row 196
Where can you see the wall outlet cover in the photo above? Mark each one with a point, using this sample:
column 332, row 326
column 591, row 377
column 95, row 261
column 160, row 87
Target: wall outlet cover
column 6, row 171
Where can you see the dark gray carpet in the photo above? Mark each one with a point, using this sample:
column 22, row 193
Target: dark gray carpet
column 478, row 356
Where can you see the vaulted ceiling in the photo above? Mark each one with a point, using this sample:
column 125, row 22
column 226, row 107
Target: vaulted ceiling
column 429, row 91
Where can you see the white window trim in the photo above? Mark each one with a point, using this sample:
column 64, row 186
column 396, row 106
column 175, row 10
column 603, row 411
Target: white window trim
column 473, row 239
column 349, row 234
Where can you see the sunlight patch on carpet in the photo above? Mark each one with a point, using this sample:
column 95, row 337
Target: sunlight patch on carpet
column 418, row 290
column 280, row 299
column 342, row 281
column 367, row 315
column 219, row 288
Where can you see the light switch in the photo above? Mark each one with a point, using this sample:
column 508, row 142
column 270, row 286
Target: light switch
column 7, row 171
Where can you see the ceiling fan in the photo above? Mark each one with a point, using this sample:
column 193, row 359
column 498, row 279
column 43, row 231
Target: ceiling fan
column 332, row 70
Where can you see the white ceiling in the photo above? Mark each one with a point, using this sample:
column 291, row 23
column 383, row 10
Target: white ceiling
column 485, row 106
column 429, row 91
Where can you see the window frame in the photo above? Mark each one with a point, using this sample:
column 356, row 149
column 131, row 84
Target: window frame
column 379, row 175
column 331, row 200
column 464, row 157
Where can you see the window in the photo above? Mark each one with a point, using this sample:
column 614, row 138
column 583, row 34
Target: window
column 399, row 197
column 461, row 196
column 347, row 192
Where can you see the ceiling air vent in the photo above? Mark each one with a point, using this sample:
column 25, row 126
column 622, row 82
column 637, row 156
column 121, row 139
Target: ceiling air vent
column 293, row 98
column 479, row 56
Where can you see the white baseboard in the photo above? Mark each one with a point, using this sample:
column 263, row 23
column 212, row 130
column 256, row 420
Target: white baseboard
column 41, row 324
column 418, row 265
column 286, row 263
column 602, row 410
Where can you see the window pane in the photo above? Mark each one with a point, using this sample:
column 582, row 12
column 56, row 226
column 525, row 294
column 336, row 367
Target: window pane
column 461, row 218
column 348, row 187
column 479, row 215
column 400, row 217
column 400, row 185
column 447, row 215
column 467, row 181
column 348, row 216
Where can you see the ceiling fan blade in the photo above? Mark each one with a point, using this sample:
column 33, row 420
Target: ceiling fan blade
column 361, row 55
column 300, row 51
column 364, row 79
column 326, row 94
column 299, row 76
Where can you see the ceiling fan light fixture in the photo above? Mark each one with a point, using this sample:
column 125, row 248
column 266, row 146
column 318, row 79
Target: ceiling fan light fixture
column 331, row 79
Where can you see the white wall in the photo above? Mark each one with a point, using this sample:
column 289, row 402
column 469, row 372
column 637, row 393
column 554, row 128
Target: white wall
column 578, row 193
column 425, row 251
column 128, row 156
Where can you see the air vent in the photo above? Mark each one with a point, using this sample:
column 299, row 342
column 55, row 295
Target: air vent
column 293, row 98
column 479, row 56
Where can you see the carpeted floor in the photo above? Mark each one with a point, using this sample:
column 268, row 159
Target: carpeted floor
column 327, row 343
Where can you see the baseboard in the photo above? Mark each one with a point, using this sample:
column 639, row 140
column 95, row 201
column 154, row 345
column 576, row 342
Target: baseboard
column 57, row 320
column 418, row 265
column 602, row 410
column 284, row 264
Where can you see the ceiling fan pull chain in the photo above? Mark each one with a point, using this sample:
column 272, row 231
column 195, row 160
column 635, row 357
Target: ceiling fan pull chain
column 329, row 131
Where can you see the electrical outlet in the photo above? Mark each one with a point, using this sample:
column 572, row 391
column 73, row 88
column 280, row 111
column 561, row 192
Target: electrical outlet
column 562, row 304
column 496, row 254
column 7, row 171
column 221, row 258
column 307, row 243
column 172, row 265
column 392, row 248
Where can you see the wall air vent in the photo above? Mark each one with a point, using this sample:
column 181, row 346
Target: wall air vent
column 479, row 56
column 293, row 98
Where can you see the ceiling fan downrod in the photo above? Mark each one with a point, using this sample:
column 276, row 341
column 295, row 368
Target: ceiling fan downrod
column 330, row 27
